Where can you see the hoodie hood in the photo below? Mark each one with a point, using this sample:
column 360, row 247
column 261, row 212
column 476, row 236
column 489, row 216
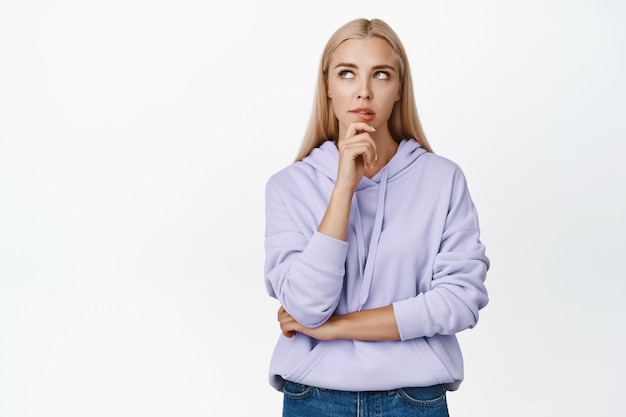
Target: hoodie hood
column 325, row 159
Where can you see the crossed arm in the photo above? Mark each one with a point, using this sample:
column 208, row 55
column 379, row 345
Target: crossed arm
column 367, row 325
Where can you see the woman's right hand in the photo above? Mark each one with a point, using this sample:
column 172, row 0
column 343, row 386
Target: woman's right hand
column 357, row 150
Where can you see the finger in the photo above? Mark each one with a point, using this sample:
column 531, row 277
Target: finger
column 285, row 318
column 365, row 149
column 358, row 127
column 287, row 327
column 282, row 313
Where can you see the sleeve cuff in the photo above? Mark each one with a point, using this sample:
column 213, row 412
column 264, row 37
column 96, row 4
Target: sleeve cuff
column 326, row 251
column 407, row 313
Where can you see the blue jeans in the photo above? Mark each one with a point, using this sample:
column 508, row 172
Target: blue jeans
column 306, row 401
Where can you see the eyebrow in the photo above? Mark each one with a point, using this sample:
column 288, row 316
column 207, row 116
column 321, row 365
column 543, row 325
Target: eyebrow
column 375, row 67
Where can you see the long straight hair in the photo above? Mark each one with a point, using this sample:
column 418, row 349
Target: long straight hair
column 404, row 122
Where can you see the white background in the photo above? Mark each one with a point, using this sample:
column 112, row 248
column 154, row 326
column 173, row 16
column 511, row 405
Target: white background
column 135, row 141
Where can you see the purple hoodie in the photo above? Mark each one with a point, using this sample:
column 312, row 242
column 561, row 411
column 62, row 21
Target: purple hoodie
column 413, row 241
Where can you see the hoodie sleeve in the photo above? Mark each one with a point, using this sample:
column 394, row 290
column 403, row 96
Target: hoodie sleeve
column 459, row 270
column 304, row 269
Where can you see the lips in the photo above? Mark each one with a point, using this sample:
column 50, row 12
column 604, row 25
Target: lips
column 364, row 113
column 363, row 110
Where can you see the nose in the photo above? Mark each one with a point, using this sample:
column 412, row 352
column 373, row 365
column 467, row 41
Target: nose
column 364, row 91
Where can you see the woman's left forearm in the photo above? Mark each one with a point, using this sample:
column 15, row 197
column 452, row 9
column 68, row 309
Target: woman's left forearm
column 367, row 325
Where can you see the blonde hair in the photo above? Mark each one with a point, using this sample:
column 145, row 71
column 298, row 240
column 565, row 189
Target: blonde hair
column 404, row 121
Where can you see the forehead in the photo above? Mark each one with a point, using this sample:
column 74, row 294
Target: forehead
column 368, row 51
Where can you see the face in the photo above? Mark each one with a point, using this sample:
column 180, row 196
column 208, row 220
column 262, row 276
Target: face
column 363, row 83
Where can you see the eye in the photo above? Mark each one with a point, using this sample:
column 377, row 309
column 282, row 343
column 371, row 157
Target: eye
column 346, row 74
column 381, row 75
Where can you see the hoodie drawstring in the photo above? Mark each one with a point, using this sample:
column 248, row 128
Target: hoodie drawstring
column 360, row 242
column 373, row 248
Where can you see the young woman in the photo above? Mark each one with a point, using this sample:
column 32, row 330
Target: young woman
column 372, row 245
